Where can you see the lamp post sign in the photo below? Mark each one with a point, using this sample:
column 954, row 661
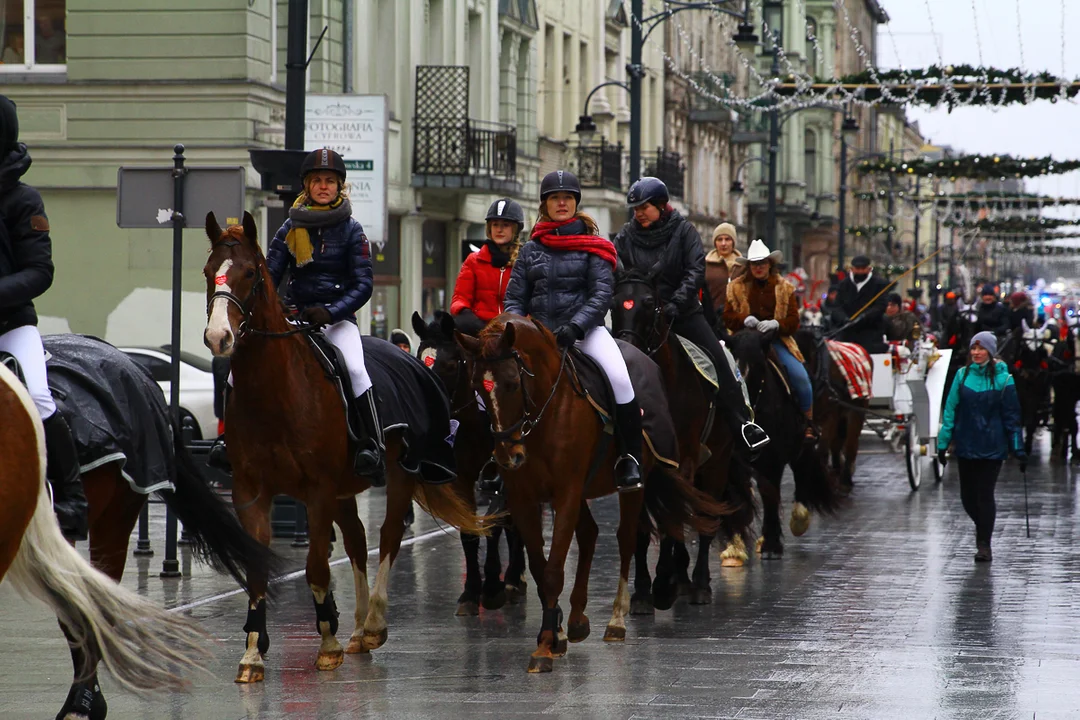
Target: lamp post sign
column 355, row 127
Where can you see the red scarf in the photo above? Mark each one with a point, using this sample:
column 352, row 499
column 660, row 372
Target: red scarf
column 601, row 247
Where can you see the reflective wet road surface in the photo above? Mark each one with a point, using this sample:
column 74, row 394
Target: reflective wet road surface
column 878, row 612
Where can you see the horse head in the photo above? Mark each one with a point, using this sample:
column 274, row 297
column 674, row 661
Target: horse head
column 236, row 278
column 437, row 349
column 811, row 315
column 751, row 348
column 515, row 365
column 636, row 313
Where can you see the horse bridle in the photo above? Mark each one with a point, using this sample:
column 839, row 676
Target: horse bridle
column 528, row 421
column 658, row 316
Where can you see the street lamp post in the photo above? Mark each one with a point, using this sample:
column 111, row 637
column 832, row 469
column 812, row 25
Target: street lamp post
column 774, row 149
column 848, row 125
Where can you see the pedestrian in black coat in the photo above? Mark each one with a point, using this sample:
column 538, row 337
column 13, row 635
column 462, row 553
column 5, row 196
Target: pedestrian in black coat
column 992, row 316
column 861, row 290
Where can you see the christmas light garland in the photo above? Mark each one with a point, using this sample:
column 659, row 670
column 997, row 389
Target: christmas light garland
column 1013, row 224
column 975, row 167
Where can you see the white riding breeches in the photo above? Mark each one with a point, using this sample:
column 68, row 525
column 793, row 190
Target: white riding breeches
column 601, row 347
column 345, row 336
column 24, row 343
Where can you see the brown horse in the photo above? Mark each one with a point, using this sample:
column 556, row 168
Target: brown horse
column 547, row 434
column 705, row 447
column 472, row 450
column 141, row 644
column 288, row 436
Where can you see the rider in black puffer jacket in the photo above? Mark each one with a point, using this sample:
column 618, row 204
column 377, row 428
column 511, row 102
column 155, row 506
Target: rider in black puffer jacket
column 661, row 241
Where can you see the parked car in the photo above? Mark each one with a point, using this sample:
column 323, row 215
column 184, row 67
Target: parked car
column 196, row 385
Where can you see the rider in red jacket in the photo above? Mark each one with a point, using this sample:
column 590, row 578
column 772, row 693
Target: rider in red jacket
column 481, row 284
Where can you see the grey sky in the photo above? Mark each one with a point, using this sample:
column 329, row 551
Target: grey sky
column 986, row 31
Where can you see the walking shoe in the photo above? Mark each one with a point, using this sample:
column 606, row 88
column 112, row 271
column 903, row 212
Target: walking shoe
column 983, row 554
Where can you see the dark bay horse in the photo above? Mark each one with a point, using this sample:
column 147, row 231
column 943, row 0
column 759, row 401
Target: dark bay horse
column 778, row 414
column 473, row 446
column 143, row 646
column 706, row 448
column 547, row 434
column 288, row 436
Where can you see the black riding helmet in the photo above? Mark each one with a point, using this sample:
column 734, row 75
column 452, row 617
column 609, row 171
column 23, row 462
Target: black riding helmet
column 648, row 190
column 323, row 159
column 506, row 209
column 560, row 181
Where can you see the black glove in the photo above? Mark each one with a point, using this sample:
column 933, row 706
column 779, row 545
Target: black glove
column 671, row 311
column 942, row 459
column 315, row 315
column 567, row 335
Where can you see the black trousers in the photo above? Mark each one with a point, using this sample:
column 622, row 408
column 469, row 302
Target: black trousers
column 977, row 481
column 696, row 329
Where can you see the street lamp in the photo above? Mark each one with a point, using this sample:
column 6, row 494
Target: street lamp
column 586, row 128
column 848, row 128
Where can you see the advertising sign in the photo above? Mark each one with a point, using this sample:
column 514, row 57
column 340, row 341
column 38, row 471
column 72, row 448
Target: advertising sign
column 355, row 127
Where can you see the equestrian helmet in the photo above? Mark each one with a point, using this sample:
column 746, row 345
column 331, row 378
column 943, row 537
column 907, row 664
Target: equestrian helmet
column 560, row 181
column 506, row 209
column 647, row 190
column 323, row 159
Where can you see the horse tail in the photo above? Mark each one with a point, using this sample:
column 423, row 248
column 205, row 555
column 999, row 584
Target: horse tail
column 216, row 535
column 140, row 643
column 446, row 503
column 739, row 495
column 673, row 503
column 815, row 486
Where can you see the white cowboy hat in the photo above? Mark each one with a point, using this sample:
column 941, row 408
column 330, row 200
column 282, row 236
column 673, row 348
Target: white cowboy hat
column 759, row 251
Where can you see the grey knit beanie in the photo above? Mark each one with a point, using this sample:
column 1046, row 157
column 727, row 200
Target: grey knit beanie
column 987, row 340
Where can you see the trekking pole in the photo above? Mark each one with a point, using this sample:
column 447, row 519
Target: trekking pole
column 1027, row 516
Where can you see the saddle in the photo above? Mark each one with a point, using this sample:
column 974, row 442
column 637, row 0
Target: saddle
column 656, row 424
column 335, row 368
column 702, row 362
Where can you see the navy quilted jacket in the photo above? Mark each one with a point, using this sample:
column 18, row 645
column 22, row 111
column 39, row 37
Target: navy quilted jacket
column 558, row 287
column 339, row 276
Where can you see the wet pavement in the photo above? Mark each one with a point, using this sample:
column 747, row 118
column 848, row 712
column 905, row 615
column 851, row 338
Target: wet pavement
column 878, row 612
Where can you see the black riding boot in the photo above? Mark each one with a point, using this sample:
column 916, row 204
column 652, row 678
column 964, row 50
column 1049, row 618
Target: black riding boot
column 628, row 445
column 731, row 397
column 371, row 456
column 218, row 457
column 62, row 470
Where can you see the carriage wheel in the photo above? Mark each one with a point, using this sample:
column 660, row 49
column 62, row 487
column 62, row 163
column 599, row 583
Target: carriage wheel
column 912, row 457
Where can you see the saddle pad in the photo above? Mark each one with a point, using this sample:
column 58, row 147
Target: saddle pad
column 855, row 366
column 701, row 360
column 114, row 408
column 656, row 423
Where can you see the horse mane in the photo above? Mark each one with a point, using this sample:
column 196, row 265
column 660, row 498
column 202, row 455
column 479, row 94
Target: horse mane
column 746, row 345
column 491, row 337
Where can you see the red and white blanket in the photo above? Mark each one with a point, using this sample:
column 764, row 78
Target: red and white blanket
column 855, row 365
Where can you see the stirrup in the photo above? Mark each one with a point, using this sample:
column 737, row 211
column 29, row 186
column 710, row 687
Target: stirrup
column 218, row 456
column 628, row 474
column 370, row 463
column 753, row 435
column 488, row 481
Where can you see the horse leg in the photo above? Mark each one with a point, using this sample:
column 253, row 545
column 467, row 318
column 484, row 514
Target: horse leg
column 701, row 593
column 354, row 538
column 114, row 510
column 630, row 506
column 494, row 590
column 577, row 627
column 641, row 603
column 665, row 588
column 320, row 517
column 551, row 641
column 516, row 585
column 399, row 492
column 771, row 545
column 253, row 509
column 469, row 600
column 851, row 449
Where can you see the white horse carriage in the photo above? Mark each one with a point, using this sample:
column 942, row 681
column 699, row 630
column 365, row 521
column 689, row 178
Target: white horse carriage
column 909, row 386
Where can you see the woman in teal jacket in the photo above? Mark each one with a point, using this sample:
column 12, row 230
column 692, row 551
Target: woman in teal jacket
column 982, row 421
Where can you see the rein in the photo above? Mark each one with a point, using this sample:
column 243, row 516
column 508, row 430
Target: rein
column 658, row 316
column 528, row 421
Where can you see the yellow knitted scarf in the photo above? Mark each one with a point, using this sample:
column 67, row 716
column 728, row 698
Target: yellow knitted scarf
column 298, row 239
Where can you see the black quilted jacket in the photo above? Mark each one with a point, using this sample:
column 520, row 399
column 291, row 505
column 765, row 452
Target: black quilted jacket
column 678, row 261
column 339, row 276
column 26, row 267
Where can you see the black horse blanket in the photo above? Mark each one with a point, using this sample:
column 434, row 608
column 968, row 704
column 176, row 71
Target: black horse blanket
column 114, row 408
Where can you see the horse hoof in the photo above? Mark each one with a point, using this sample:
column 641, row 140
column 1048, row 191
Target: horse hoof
column 541, row 663
column 772, row 554
column 732, row 562
column 250, row 674
column 701, row 596
column 356, row 645
column 561, row 645
column 577, row 632
column 515, row 594
column 800, row 520
column 664, row 600
column 495, row 600
column 614, row 634
column 758, row 544
column 375, row 640
column 330, row 660
column 685, row 588
column 468, row 608
column 642, row 605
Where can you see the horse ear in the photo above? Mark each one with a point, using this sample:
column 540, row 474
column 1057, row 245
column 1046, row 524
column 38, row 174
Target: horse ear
column 446, row 322
column 468, row 343
column 508, row 337
column 540, row 328
column 213, row 230
column 251, row 230
column 418, row 325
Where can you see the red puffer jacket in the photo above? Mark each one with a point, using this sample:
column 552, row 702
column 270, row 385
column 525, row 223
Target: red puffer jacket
column 480, row 286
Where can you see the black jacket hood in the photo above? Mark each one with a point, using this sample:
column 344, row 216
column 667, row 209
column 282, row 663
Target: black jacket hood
column 14, row 166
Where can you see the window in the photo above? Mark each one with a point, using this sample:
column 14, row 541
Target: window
column 44, row 45
column 811, row 48
column 772, row 18
column 810, row 162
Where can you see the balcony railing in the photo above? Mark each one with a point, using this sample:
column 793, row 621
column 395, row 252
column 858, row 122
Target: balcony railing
column 601, row 166
column 465, row 154
column 667, row 166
